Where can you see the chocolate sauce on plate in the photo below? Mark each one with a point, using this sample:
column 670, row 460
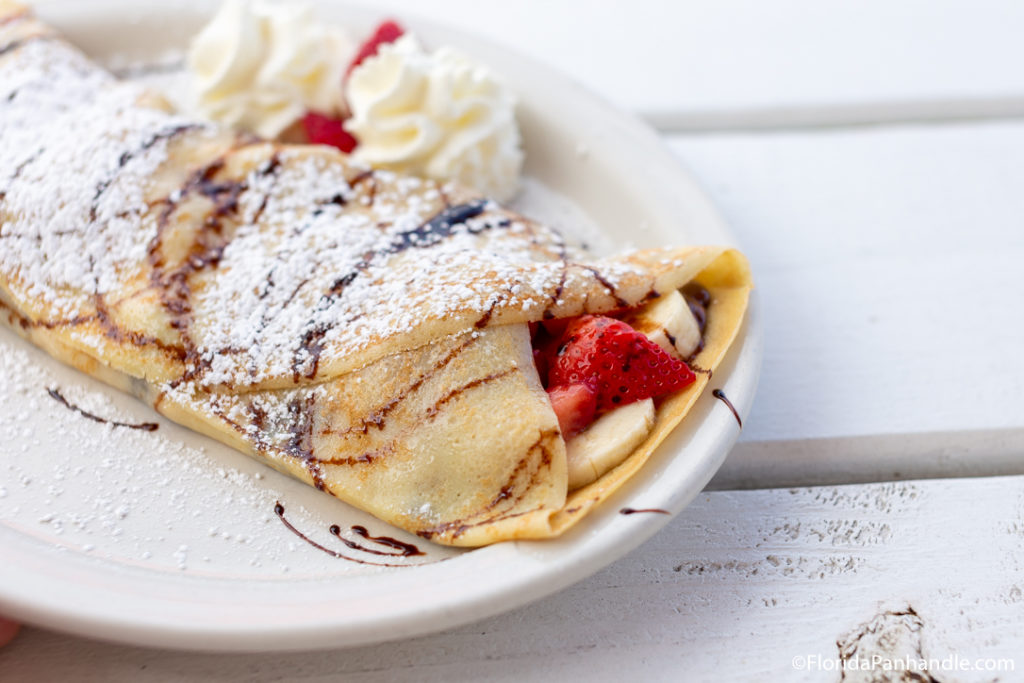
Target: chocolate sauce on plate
column 401, row 549
column 720, row 395
column 633, row 511
column 144, row 426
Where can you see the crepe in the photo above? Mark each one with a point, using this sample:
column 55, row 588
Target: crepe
column 363, row 331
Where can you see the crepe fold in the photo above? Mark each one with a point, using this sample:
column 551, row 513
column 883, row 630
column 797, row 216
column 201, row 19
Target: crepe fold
column 357, row 329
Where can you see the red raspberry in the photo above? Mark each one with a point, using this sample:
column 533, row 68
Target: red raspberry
column 620, row 364
column 324, row 130
column 387, row 32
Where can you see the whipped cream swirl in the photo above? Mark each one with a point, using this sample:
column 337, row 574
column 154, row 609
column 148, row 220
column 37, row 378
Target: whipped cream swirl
column 259, row 65
column 438, row 115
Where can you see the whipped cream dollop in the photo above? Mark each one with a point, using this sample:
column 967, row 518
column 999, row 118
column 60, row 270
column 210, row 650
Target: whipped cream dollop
column 438, row 115
column 259, row 65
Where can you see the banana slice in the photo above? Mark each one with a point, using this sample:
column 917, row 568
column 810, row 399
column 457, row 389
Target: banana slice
column 608, row 441
column 668, row 322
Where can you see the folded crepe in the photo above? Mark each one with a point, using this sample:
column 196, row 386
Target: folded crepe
column 362, row 331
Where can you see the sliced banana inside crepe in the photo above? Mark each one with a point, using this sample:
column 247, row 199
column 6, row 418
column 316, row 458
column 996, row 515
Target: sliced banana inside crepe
column 669, row 323
column 360, row 330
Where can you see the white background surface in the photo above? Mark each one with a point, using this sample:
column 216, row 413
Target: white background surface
column 886, row 258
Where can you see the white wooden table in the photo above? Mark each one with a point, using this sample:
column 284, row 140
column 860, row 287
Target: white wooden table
column 869, row 156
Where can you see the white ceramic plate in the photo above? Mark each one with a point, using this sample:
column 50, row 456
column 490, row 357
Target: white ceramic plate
column 170, row 539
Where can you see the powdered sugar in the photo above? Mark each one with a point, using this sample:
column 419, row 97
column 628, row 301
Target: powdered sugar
column 87, row 482
column 141, row 497
column 78, row 151
column 313, row 278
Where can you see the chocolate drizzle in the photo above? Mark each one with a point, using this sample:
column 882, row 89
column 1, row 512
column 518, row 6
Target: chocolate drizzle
column 378, row 417
column 300, row 443
column 110, row 329
column 360, row 177
column 24, row 164
column 458, row 391
column 59, row 397
column 400, row 548
column 708, row 372
column 207, row 248
column 633, row 511
column 485, row 319
column 619, row 301
column 507, row 493
column 720, row 395
column 430, row 233
column 270, row 168
column 167, row 134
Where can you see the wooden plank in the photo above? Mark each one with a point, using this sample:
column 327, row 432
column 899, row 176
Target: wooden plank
column 887, row 263
column 697, row 64
column 737, row 588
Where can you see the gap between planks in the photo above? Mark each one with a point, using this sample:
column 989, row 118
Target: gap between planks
column 873, row 458
column 837, row 115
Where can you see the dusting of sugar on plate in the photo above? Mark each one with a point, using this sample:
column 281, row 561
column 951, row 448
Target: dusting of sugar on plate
column 169, row 499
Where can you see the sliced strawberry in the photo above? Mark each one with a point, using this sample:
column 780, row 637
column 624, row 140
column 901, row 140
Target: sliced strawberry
column 387, row 32
column 574, row 406
column 325, row 130
column 619, row 363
